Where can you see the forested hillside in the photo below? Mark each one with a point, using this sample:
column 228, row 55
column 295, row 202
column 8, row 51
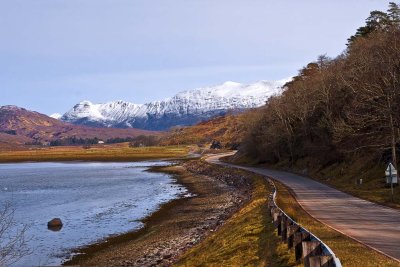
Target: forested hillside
column 228, row 129
column 337, row 109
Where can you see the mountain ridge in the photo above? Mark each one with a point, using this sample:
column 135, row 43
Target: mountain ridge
column 185, row 108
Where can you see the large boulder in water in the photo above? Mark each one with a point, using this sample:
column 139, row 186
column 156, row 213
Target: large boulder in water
column 55, row 224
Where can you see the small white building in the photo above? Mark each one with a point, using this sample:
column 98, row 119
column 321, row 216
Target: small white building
column 101, row 142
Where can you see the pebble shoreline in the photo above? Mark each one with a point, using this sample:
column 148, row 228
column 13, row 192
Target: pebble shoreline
column 217, row 193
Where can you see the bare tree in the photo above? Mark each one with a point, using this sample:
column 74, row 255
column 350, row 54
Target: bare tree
column 372, row 117
column 13, row 240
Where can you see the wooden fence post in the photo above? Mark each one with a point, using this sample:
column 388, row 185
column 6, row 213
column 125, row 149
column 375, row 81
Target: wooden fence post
column 298, row 238
column 273, row 210
column 284, row 223
column 311, row 248
column 276, row 217
column 321, row 261
column 311, row 253
column 292, row 229
column 271, row 204
column 279, row 224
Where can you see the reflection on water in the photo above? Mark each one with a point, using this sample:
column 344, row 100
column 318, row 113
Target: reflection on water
column 93, row 200
column 54, row 228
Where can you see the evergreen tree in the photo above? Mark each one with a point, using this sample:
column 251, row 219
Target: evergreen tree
column 378, row 20
column 394, row 14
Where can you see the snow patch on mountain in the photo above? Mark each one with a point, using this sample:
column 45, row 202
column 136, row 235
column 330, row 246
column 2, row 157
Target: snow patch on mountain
column 184, row 108
column 56, row 116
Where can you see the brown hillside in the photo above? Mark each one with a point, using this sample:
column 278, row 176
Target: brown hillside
column 19, row 126
column 228, row 129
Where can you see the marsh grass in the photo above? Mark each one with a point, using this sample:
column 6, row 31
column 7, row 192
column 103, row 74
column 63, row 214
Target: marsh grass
column 115, row 152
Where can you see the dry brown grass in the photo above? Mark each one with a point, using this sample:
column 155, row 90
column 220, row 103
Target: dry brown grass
column 246, row 239
column 115, row 152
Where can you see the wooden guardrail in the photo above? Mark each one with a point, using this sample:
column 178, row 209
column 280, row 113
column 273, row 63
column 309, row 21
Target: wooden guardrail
column 308, row 248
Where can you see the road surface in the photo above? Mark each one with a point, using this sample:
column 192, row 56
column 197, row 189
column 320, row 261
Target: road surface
column 369, row 223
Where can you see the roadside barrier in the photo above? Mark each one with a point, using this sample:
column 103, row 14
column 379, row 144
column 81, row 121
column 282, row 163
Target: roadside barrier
column 308, row 248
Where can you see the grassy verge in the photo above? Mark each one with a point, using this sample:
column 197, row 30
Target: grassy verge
column 246, row 239
column 350, row 252
column 115, row 152
column 373, row 188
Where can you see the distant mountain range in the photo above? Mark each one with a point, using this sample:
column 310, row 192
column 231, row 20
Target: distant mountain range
column 185, row 108
column 19, row 126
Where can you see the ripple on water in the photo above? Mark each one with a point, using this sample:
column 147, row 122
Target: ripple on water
column 94, row 201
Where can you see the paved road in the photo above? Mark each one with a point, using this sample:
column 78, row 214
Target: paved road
column 369, row 223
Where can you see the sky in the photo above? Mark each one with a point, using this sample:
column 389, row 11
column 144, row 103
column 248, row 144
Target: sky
column 56, row 53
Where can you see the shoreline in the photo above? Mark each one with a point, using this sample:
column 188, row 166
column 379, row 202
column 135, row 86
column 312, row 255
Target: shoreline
column 172, row 229
column 86, row 252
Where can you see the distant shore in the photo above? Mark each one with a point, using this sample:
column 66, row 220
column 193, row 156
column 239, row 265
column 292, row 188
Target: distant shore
column 114, row 152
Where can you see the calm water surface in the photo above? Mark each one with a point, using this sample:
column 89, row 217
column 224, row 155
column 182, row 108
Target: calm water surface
column 94, row 201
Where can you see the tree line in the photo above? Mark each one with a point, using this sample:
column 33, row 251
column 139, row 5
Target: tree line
column 337, row 107
column 141, row 140
column 74, row 141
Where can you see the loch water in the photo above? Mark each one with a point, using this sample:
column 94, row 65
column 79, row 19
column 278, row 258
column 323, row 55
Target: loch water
column 94, row 201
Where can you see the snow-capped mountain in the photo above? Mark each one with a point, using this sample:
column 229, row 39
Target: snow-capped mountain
column 185, row 108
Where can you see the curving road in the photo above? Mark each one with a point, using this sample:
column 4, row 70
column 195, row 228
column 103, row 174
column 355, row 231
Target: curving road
column 376, row 226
